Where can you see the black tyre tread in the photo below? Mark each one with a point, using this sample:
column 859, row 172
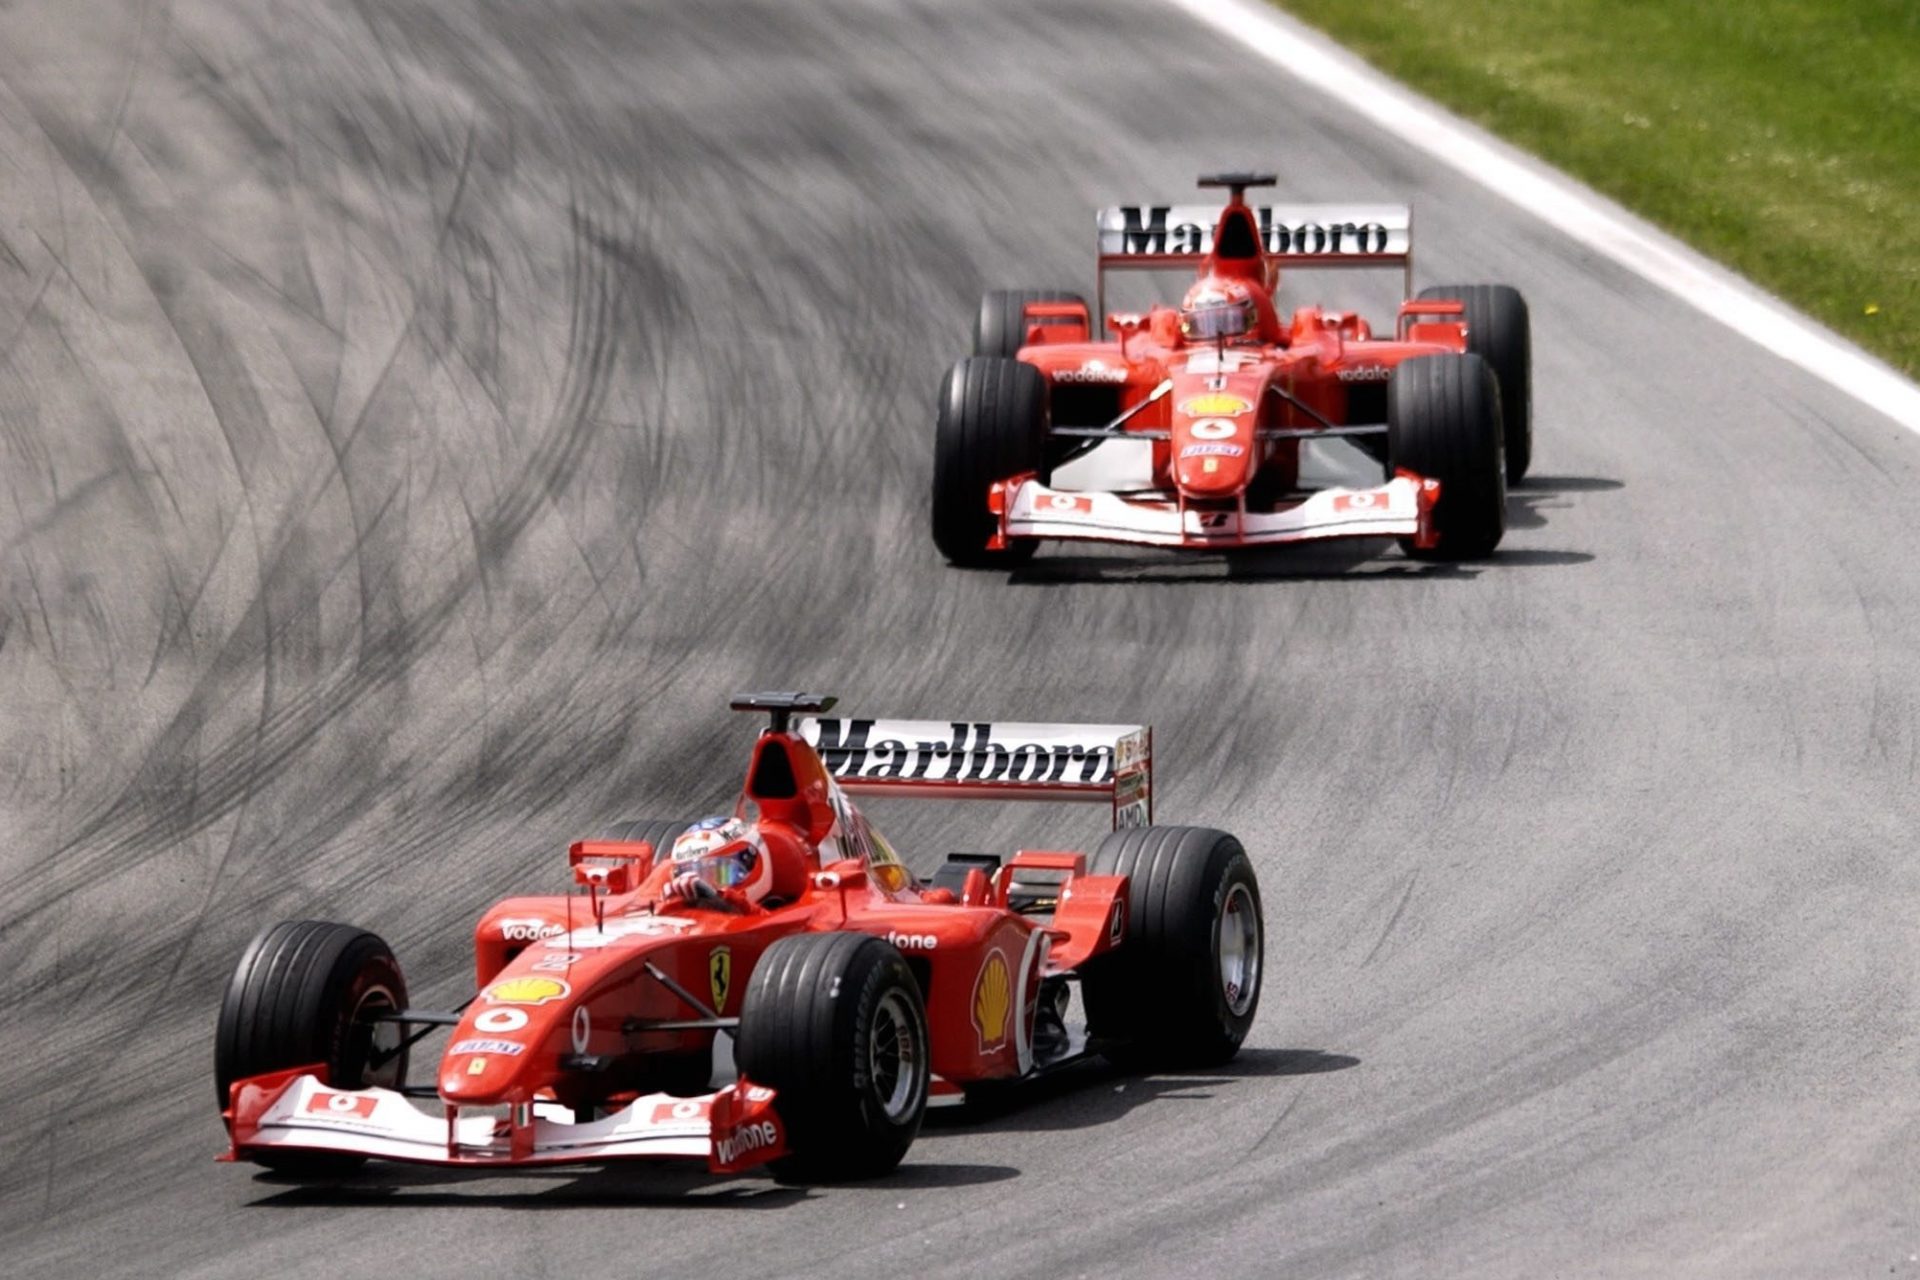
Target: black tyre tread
column 796, row 1037
column 997, row 328
column 1443, row 419
column 1500, row 331
column 281, row 1010
column 991, row 424
column 271, row 1017
column 798, row 1007
column 1152, row 1001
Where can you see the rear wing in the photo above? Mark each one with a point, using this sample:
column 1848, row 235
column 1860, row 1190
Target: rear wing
column 1155, row 237
column 991, row 760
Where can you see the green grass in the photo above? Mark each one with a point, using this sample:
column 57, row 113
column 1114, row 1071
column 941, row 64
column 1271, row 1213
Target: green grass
column 1781, row 137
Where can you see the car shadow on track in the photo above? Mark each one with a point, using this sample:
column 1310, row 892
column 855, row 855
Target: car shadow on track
column 1530, row 506
column 1354, row 563
column 1094, row 1093
column 628, row 1186
column 1085, row 1095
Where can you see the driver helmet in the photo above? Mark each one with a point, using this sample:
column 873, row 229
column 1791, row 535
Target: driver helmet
column 1215, row 309
column 726, row 853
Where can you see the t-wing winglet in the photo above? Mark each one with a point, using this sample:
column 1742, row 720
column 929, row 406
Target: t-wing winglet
column 1238, row 182
column 781, row 706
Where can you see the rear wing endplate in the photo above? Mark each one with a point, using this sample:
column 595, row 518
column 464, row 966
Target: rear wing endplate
column 991, row 760
column 1155, row 237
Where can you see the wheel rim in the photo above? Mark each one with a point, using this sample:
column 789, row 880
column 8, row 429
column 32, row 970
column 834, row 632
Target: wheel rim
column 384, row 1060
column 1238, row 946
column 895, row 1058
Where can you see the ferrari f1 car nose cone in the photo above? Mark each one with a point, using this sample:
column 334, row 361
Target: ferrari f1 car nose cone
column 1212, row 457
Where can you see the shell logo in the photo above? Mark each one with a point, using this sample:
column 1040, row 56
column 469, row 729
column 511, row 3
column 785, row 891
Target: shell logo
column 528, row 991
column 993, row 1002
column 1218, row 404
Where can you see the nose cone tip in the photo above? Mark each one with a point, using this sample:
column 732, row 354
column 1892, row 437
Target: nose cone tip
column 460, row 1082
column 1225, row 480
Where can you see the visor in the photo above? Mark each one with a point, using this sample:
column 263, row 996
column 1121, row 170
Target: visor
column 1222, row 320
column 727, row 868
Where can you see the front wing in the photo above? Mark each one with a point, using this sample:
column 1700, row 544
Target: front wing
column 1400, row 508
column 733, row 1129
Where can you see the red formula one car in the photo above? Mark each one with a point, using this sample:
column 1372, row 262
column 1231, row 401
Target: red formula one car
column 1225, row 392
column 852, row 995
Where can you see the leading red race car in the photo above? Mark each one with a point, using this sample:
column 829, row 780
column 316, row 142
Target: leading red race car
column 1225, row 392
column 853, row 994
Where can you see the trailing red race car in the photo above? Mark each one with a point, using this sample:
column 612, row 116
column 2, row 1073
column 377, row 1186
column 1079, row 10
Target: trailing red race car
column 1225, row 392
column 853, row 994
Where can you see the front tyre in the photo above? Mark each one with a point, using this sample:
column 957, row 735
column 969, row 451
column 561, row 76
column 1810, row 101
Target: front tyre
column 833, row 1024
column 1443, row 423
column 991, row 425
column 1184, row 985
column 306, row 991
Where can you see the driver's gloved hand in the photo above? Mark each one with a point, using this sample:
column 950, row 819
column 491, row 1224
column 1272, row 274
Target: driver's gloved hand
column 688, row 888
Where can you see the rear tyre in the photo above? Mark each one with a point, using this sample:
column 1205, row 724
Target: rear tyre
column 1443, row 423
column 1184, row 986
column 1500, row 332
column 833, row 1024
column 992, row 424
column 305, row 992
column 1000, row 328
column 658, row 832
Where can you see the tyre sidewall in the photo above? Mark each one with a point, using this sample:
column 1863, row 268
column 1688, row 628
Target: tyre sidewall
column 885, row 975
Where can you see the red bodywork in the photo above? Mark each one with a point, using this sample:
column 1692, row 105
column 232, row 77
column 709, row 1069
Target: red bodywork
column 550, row 1061
column 1226, row 420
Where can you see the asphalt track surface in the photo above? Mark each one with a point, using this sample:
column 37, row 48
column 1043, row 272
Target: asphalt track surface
column 417, row 418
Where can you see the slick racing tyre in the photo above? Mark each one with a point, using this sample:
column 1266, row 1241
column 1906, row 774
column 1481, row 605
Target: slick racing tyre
column 1443, row 423
column 833, row 1024
column 1183, row 986
column 304, row 992
column 1500, row 332
column 992, row 424
column 1000, row 328
column 658, row 832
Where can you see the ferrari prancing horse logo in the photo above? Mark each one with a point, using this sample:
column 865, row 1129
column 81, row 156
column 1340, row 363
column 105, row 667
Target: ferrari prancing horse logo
column 720, row 976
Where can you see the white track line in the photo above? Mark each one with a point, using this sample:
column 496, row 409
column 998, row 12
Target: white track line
column 1557, row 200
